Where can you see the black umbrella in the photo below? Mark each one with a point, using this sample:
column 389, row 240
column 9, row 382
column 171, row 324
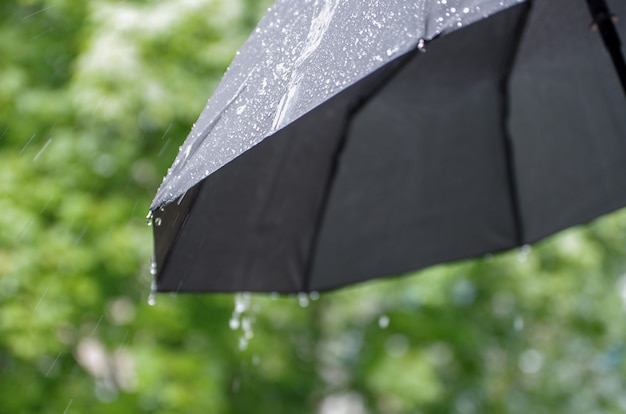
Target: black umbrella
column 351, row 140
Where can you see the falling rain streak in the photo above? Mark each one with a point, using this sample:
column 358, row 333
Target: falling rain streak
column 27, row 144
column 69, row 404
column 43, row 295
column 53, row 364
column 95, row 328
column 25, row 229
column 43, row 149
column 37, row 12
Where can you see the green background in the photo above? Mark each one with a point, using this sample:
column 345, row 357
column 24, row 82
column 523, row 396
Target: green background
column 95, row 99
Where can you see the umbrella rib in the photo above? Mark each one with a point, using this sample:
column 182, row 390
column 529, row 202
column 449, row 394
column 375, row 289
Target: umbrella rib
column 399, row 63
column 509, row 151
column 603, row 22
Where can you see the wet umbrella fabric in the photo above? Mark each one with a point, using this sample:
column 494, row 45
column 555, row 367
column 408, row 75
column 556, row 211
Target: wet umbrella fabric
column 349, row 141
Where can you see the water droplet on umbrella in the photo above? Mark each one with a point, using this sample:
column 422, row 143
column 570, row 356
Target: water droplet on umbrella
column 421, row 45
column 149, row 218
column 157, row 221
column 383, row 321
column 391, row 51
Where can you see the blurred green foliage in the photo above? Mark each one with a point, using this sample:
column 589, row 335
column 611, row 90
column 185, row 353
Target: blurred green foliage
column 95, row 99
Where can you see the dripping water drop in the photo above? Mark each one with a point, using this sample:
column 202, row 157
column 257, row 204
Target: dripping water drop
column 303, row 299
column 152, row 296
column 421, row 45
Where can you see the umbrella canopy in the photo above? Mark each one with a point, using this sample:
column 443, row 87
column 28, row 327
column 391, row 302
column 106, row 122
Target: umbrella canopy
column 351, row 140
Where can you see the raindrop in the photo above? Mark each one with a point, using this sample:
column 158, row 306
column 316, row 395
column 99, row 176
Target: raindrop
column 166, row 131
column 391, row 51
column 43, row 149
column 25, row 229
column 40, row 299
column 303, row 299
column 67, row 407
column 80, row 236
column 149, row 218
column 152, row 296
column 466, row 10
column 157, row 221
column 95, row 328
column 246, row 326
column 234, row 322
column 27, row 144
column 453, row 9
column 163, row 148
column 242, row 302
column 421, row 45
column 383, row 321
column 314, row 295
column 153, row 265
column 37, row 12
column 53, row 364
column 523, row 253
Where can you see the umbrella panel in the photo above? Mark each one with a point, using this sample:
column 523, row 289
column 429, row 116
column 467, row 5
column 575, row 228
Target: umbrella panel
column 435, row 157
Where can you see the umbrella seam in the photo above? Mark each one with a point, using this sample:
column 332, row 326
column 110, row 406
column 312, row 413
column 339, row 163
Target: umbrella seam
column 509, row 151
column 401, row 62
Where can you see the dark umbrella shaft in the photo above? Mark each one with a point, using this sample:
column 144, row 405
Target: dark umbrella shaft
column 603, row 20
